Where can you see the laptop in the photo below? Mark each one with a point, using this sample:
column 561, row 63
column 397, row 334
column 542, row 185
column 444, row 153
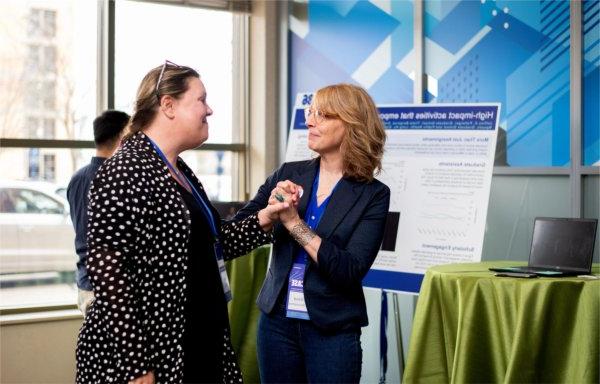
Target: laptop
column 559, row 247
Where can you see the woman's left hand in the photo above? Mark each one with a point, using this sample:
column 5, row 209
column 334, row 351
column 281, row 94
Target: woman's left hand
column 270, row 214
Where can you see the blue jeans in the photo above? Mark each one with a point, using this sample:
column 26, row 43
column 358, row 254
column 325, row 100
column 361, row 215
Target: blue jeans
column 296, row 351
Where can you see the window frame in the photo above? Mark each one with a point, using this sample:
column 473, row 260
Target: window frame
column 105, row 100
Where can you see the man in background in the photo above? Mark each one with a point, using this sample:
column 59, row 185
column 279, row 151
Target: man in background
column 108, row 130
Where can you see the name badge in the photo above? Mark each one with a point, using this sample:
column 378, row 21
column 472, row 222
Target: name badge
column 296, row 306
column 223, row 272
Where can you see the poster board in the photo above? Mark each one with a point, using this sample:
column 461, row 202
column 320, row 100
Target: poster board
column 438, row 163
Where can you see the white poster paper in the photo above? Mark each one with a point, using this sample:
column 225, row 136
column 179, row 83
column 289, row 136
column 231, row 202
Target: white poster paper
column 438, row 164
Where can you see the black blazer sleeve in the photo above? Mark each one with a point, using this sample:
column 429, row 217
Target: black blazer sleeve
column 345, row 266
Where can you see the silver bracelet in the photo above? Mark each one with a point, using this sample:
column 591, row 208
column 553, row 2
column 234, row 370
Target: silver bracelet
column 302, row 233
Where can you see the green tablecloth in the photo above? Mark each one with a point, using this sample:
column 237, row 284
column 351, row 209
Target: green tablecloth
column 471, row 326
column 246, row 275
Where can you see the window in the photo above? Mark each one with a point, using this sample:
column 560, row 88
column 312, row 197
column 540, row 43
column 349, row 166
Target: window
column 41, row 59
column 41, row 95
column 42, row 23
column 33, row 58
column 49, row 76
column 40, row 127
column 136, row 53
column 33, row 163
column 34, row 23
column 48, row 81
column 48, row 94
column 214, row 169
column 30, row 201
column 49, row 24
column 49, row 167
column 32, row 98
column 48, row 129
column 49, row 59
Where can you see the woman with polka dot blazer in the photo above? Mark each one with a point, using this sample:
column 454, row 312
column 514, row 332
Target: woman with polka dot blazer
column 156, row 249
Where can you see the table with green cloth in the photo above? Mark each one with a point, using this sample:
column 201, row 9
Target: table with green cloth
column 246, row 275
column 473, row 327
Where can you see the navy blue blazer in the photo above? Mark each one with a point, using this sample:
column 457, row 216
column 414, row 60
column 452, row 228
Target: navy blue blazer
column 351, row 230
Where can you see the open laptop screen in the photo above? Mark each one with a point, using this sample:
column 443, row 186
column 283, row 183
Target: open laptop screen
column 563, row 243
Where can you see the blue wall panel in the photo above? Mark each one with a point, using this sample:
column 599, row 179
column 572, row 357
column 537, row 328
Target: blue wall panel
column 336, row 42
column 591, row 82
column 512, row 52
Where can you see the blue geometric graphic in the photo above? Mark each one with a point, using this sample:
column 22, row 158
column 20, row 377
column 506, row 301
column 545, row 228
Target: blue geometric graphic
column 515, row 52
column 591, row 82
column 392, row 88
column 349, row 38
column 457, row 28
column 512, row 52
column 311, row 69
column 358, row 42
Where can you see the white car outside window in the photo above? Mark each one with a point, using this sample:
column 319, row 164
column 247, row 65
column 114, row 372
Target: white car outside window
column 36, row 234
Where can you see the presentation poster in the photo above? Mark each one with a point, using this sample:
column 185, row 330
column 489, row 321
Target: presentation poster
column 297, row 146
column 438, row 164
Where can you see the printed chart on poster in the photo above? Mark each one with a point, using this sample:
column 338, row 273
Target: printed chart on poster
column 438, row 164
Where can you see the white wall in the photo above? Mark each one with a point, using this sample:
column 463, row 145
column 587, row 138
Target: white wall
column 40, row 349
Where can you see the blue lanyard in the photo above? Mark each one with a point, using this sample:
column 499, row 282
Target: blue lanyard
column 313, row 214
column 295, row 303
column 218, row 251
column 184, row 180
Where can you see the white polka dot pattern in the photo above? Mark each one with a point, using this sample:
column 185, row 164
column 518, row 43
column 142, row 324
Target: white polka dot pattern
column 138, row 229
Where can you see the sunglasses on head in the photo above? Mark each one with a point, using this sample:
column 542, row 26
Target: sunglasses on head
column 162, row 72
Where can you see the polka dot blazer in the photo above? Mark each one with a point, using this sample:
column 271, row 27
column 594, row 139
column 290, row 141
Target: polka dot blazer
column 138, row 231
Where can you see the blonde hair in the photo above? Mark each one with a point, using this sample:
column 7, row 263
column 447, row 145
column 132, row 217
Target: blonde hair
column 174, row 82
column 364, row 136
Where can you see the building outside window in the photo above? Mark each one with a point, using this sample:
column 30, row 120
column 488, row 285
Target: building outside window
column 49, row 167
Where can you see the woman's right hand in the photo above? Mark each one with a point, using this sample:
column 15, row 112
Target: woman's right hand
column 148, row 378
column 270, row 214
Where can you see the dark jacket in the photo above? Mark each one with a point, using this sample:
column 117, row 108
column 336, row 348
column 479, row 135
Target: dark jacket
column 351, row 230
column 77, row 194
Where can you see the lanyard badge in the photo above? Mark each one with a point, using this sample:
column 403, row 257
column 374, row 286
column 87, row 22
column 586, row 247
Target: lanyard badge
column 218, row 250
column 295, row 303
column 223, row 271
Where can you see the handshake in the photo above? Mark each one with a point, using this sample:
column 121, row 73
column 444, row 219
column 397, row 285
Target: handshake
column 283, row 206
column 287, row 189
